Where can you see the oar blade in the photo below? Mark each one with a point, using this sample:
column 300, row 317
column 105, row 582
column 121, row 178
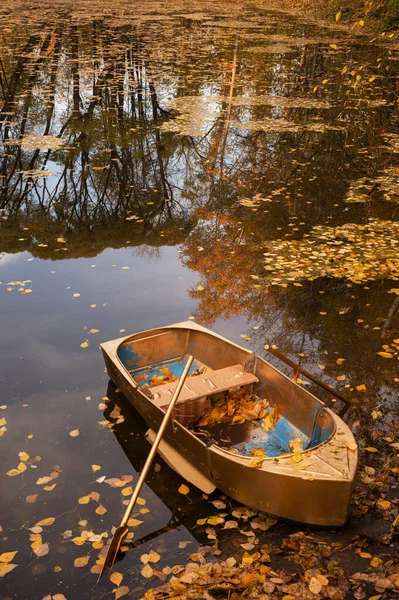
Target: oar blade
column 113, row 548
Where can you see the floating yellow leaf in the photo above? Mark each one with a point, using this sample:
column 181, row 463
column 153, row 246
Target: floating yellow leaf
column 183, row 489
column 121, row 591
column 84, row 500
column 61, row 240
column 127, row 491
column 41, row 550
column 7, row 557
column 81, row 562
column 101, row 510
column 147, row 571
column 31, row 499
column 94, row 331
column 49, row 488
column 84, row 344
column 95, row 468
column 13, row 472
column 116, row 578
column 385, row 354
column 78, row 541
column 45, row 522
column 6, row 568
column 23, row 456
column 134, row 522
column 74, row 433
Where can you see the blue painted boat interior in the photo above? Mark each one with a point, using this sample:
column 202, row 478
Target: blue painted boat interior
column 144, row 375
column 242, row 438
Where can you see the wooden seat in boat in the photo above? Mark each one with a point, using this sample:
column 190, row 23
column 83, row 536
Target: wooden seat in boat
column 204, row 385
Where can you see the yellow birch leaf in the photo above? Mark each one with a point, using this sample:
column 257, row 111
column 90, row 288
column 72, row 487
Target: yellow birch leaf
column 121, row 591
column 78, row 541
column 101, row 510
column 371, row 449
column 154, row 557
column 30, row 499
column 134, row 522
column 7, row 557
column 84, row 500
column 95, row 468
column 116, row 578
column 338, row 16
column 48, row 488
column 23, row 456
column 127, row 491
column 141, row 501
column 385, row 354
column 6, row 568
column 13, row 472
column 74, row 433
column 361, row 388
column 45, row 522
column 84, row 345
column 183, row 489
column 81, row 562
column 41, row 550
column 147, row 571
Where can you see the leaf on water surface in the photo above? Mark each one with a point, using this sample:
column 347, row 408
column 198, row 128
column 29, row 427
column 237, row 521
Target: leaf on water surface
column 385, row 354
column 95, row 496
column 147, row 571
column 154, row 557
column 81, row 562
column 94, row 331
column 245, row 337
column 14, row 472
column 101, row 510
column 49, row 488
column 84, row 344
column 31, row 499
column 76, row 295
column 41, row 550
column 115, row 482
column 3, row 421
column 45, row 522
column 74, row 433
column 43, row 480
column 121, row 591
column 23, row 456
column 134, row 522
column 6, row 568
column 116, row 578
column 84, row 500
column 183, row 489
column 78, row 541
column 7, row 557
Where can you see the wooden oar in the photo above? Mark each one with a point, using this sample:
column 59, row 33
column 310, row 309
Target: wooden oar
column 299, row 369
column 122, row 530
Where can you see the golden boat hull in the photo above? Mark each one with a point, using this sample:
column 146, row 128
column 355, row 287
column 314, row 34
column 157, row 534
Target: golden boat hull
column 314, row 488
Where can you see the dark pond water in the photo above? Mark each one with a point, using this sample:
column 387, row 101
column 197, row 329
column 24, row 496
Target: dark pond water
column 231, row 164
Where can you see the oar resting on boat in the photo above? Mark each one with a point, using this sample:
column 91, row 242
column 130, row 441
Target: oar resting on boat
column 239, row 424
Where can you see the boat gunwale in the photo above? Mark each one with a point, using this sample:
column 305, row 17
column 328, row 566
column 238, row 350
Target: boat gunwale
column 189, row 325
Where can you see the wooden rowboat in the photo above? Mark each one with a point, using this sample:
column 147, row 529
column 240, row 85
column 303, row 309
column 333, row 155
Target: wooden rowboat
column 295, row 459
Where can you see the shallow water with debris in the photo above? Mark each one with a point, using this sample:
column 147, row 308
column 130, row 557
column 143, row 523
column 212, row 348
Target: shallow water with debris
column 231, row 164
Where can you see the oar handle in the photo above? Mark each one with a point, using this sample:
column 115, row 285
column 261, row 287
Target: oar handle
column 155, row 445
column 297, row 367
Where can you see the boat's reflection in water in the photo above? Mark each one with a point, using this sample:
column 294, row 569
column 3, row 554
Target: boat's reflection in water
column 174, row 512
